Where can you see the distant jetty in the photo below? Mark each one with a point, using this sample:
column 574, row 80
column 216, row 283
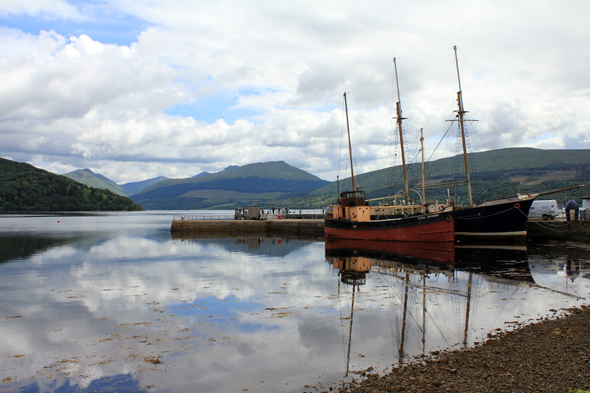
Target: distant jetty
column 293, row 227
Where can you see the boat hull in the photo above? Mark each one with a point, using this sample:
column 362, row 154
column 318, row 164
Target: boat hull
column 437, row 227
column 501, row 222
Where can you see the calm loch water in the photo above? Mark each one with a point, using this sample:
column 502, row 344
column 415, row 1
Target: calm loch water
column 114, row 302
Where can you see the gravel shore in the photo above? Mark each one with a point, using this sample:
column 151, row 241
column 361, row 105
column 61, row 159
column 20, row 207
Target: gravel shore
column 548, row 356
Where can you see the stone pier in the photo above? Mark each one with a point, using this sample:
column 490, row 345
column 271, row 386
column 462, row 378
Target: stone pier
column 312, row 228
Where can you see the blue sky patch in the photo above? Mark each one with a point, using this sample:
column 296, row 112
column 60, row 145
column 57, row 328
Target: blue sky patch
column 211, row 109
column 103, row 25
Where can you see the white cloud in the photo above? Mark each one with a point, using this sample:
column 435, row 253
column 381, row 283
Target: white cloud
column 263, row 81
column 47, row 9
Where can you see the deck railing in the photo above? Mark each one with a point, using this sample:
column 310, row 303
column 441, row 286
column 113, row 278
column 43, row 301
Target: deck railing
column 264, row 216
column 195, row 217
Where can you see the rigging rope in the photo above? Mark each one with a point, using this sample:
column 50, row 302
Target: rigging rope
column 498, row 133
column 491, row 215
column 425, row 54
column 439, row 142
column 373, row 77
column 506, row 106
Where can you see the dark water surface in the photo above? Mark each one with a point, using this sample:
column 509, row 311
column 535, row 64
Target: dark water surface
column 111, row 302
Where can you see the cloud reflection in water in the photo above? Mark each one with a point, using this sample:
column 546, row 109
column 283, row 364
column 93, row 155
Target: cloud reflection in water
column 231, row 314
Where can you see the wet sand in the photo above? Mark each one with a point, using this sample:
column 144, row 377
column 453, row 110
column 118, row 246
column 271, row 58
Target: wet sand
column 552, row 355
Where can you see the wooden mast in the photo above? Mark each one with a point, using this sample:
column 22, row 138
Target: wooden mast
column 349, row 144
column 423, row 183
column 460, row 112
column 399, row 118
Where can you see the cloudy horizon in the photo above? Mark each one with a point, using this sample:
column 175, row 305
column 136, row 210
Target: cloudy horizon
column 135, row 90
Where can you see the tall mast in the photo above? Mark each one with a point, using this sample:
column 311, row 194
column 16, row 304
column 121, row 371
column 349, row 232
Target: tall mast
column 349, row 144
column 461, row 112
column 399, row 118
column 422, row 150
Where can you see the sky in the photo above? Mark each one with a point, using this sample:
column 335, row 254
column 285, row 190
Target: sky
column 139, row 89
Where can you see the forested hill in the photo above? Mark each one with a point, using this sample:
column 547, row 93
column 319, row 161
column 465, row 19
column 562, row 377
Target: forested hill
column 26, row 188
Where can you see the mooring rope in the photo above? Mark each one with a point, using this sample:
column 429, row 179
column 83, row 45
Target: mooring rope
column 547, row 226
column 490, row 215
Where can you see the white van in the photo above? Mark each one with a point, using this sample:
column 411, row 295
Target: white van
column 544, row 209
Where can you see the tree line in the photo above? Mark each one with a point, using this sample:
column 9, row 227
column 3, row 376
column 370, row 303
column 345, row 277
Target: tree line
column 24, row 188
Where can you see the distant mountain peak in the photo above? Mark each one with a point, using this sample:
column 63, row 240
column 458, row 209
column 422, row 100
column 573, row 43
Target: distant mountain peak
column 96, row 180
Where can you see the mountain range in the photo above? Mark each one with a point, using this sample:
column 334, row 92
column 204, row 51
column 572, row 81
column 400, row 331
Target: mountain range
column 498, row 173
column 253, row 184
column 277, row 184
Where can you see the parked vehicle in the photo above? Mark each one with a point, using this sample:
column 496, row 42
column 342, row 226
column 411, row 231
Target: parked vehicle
column 544, row 209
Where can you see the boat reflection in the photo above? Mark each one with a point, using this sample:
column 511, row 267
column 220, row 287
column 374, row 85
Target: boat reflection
column 496, row 262
column 352, row 270
column 427, row 280
column 442, row 253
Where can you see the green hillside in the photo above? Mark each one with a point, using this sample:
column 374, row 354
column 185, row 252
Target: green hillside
column 96, row 180
column 24, row 188
column 498, row 173
column 135, row 187
column 252, row 184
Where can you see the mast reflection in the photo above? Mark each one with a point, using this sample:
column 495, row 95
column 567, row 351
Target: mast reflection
column 352, row 270
column 420, row 275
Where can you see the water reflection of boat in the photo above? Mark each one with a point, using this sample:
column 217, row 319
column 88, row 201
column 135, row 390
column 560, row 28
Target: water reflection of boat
column 357, row 258
column 352, row 270
column 417, row 286
column 425, row 253
column 499, row 262
column 495, row 262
